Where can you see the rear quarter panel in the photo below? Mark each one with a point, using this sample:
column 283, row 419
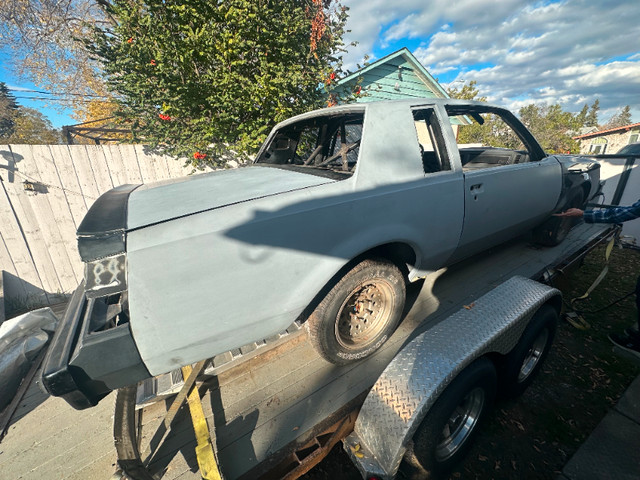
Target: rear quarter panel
column 213, row 281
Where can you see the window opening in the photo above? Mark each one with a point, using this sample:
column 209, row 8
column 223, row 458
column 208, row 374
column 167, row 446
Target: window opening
column 486, row 140
column 430, row 140
column 324, row 145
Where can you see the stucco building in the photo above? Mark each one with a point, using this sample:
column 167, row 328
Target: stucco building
column 608, row 141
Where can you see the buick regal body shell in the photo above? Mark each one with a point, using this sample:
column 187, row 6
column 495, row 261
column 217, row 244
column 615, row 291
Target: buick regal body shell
column 214, row 261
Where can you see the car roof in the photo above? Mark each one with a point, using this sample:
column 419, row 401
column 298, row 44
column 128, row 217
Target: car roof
column 412, row 102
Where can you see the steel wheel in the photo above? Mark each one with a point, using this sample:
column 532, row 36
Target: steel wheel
column 447, row 430
column 460, row 424
column 359, row 313
column 521, row 365
column 533, row 355
column 364, row 314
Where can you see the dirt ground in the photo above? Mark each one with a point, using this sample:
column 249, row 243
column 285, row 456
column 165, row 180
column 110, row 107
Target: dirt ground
column 534, row 435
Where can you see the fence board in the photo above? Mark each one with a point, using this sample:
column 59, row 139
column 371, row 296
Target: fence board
column 51, row 212
column 101, row 172
column 84, row 172
column 130, row 163
column 115, row 165
column 146, row 164
column 61, row 215
column 38, row 224
column 15, row 241
column 6, row 262
column 70, row 183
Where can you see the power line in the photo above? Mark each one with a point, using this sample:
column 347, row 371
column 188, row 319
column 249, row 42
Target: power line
column 27, row 90
column 49, row 99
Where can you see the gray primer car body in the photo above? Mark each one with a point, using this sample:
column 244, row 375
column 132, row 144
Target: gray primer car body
column 218, row 260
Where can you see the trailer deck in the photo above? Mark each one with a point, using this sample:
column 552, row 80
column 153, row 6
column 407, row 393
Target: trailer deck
column 269, row 406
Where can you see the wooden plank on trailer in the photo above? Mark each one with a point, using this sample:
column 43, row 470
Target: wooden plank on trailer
column 131, row 167
column 70, row 183
column 55, row 261
column 101, row 172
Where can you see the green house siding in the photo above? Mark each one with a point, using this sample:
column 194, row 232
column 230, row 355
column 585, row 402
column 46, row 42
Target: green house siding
column 393, row 81
column 394, row 77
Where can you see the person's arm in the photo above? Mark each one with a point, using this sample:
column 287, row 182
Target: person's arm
column 605, row 215
column 613, row 214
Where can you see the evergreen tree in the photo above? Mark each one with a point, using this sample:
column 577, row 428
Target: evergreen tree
column 620, row 119
column 591, row 119
column 8, row 111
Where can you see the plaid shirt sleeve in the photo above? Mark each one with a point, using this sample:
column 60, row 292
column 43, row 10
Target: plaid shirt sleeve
column 613, row 214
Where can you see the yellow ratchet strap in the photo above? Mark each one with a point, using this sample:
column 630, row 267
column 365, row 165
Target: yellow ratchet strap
column 204, row 449
column 576, row 319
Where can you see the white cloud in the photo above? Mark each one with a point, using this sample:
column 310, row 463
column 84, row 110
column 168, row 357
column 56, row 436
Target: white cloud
column 570, row 51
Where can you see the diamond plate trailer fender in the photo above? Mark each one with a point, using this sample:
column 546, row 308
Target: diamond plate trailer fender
column 420, row 372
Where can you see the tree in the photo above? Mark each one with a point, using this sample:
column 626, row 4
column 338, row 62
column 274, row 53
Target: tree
column 551, row 126
column 620, row 119
column 581, row 117
column 201, row 79
column 468, row 91
column 591, row 119
column 43, row 37
column 33, row 128
column 8, row 111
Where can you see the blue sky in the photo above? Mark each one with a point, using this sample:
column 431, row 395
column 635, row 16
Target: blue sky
column 569, row 52
column 519, row 52
column 19, row 89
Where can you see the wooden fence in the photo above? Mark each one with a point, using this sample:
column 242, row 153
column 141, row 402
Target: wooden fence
column 45, row 191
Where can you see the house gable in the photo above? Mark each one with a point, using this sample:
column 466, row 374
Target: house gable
column 396, row 76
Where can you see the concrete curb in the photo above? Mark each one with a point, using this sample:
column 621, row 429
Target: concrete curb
column 611, row 451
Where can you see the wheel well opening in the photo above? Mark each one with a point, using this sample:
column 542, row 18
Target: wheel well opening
column 401, row 254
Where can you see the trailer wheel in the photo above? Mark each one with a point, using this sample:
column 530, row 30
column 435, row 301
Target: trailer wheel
column 359, row 313
column 555, row 229
column 446, row 433
column 520, row 366
column 126, row 434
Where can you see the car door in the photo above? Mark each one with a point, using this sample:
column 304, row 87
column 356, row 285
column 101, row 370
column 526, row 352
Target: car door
column 508, row 187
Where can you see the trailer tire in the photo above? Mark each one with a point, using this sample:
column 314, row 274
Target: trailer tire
column 359, row 313
column 446, row 433
column 521, row 365
column 126, row 435
column 555, row 229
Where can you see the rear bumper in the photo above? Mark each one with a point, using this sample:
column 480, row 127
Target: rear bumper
column 86, row 361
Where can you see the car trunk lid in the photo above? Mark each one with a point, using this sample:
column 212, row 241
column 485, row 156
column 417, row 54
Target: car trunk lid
column 162, row 201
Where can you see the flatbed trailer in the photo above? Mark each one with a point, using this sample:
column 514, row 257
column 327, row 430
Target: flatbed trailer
column 277, row 410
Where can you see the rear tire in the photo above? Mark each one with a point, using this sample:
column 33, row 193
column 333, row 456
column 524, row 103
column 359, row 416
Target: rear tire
column 521, row 365
column 555, row 229
column 359, row 313
column 447, row 431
